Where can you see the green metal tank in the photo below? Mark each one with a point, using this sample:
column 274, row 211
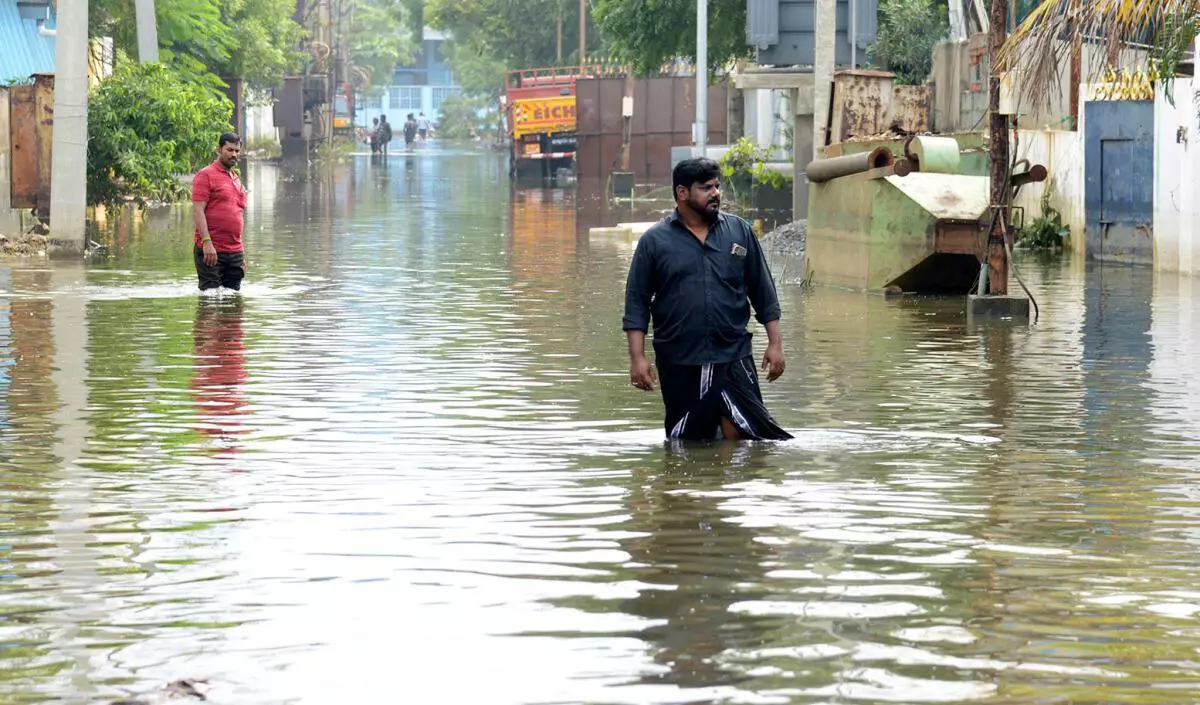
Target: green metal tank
column 915, row 226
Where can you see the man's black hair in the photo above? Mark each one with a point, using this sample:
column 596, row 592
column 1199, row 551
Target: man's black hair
column 693, row 171
column 228, row 137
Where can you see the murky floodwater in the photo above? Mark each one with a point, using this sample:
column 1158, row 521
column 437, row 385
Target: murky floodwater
column 406, row 465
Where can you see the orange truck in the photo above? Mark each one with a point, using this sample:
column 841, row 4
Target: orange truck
column 539, row 113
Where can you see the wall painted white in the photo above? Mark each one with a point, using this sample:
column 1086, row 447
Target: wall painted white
column 1176, row 186
column 1061, row 152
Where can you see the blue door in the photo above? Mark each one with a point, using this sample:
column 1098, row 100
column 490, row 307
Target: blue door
column 1119, row 187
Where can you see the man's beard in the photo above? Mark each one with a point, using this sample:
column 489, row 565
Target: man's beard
column 701, row 209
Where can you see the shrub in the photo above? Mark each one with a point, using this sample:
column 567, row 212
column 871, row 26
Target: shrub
column 466, row 116
column 747, row 161
column 1047, row 231
column 146, row 127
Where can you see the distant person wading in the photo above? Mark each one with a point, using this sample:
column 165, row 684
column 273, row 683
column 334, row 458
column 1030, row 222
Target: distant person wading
column 218, row 202
column 694, row 276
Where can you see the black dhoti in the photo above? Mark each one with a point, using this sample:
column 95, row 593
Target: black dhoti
column 697, row 397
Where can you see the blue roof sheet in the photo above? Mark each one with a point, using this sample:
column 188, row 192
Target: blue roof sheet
column 23, row 51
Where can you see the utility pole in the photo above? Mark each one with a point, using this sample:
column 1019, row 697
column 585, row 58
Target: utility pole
column 147, row 31
column 853, row 34
column 825, row 36
column 997, row 256
column 1076, row 72
column 68, row 180
column 582, row 33
column 702, row 77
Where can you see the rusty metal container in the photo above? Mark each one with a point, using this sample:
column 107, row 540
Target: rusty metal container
column 912, row 108
column 862, row 104
column 31, row 131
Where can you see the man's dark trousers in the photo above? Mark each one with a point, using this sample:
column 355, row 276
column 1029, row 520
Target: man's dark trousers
column 228, row 271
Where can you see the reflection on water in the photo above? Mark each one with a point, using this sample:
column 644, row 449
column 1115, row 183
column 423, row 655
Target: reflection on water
column 408, row 451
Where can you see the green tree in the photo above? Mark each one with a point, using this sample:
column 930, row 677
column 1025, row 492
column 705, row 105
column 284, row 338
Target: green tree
column 205, row 40
column 908, row 31
column 477, row 73
column 467, row 117
column 382, row 36
column 265, row 41
column 491, row 36
column 649, row 33
column 146, row 126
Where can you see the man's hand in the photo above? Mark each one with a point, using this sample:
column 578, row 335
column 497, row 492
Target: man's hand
column 641, row 374
column 773, row 361
column 210, row 253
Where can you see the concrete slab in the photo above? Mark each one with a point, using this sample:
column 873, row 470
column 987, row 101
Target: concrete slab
column 997, row 307
column 610, row 232
column 638, row 229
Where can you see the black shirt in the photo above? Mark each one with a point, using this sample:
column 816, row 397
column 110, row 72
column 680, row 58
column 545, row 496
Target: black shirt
column 699, row 294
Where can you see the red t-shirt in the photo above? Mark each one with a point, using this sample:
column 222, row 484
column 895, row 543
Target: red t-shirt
column 226, row 200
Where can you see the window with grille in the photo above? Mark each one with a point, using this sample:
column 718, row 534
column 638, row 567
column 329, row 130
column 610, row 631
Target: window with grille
column 405, row 98
column 440, row 94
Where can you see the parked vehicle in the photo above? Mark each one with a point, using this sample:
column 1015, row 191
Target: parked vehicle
column 538, row 106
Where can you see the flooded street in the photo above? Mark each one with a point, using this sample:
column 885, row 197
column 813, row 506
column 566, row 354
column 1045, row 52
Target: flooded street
column 406, row 465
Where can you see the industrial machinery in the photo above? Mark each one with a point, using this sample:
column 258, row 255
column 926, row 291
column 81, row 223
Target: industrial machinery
column 914, row 224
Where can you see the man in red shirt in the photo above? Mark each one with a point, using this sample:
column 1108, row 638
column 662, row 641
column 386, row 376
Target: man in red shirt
column 218, row 201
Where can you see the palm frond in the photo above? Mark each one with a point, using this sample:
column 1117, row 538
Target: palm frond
column 1044, row 41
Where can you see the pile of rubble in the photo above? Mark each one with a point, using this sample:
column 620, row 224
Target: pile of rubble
column 786, row 239
column 23, row 245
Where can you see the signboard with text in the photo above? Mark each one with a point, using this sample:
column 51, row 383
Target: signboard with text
column 541, row 115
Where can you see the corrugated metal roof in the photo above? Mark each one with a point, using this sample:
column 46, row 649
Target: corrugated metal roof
column 23, row 51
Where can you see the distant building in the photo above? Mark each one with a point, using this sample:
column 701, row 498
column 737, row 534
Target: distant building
column 416, row 88
column 27, row 38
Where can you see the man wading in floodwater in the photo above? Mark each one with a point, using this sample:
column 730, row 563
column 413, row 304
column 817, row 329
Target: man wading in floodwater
column 218, row 201
column 695, row 274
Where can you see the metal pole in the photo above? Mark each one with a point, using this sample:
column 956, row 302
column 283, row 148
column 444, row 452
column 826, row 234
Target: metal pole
column 997, row 257
column 582, row 33
column 68, row 184
column 853, row 34
column 702, row 77
column 147, row 31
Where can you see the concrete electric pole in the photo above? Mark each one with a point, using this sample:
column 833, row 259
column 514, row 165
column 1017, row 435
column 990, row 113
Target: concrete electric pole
column 582, row 33
column 68, row 180
column 147, row 31
column 702, row 77
column 825, row 36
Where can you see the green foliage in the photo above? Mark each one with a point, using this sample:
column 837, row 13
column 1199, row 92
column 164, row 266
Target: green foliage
column 908, row 31
column 492, row 36
column 265, row 41
column 146, row 127
column 1172, row 46
column 1047, row 231
column 205, row 40
column 467, row 117
column 649, row 33
column 746, row 161
column 478, row 74
column 381, row 37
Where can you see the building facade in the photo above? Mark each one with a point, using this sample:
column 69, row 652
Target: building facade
column 421, row 87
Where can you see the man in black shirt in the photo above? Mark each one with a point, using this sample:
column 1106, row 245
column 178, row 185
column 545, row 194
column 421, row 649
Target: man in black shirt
column 695, row 275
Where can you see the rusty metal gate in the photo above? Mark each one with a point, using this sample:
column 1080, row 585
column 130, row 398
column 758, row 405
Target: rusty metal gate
column 663, row 111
